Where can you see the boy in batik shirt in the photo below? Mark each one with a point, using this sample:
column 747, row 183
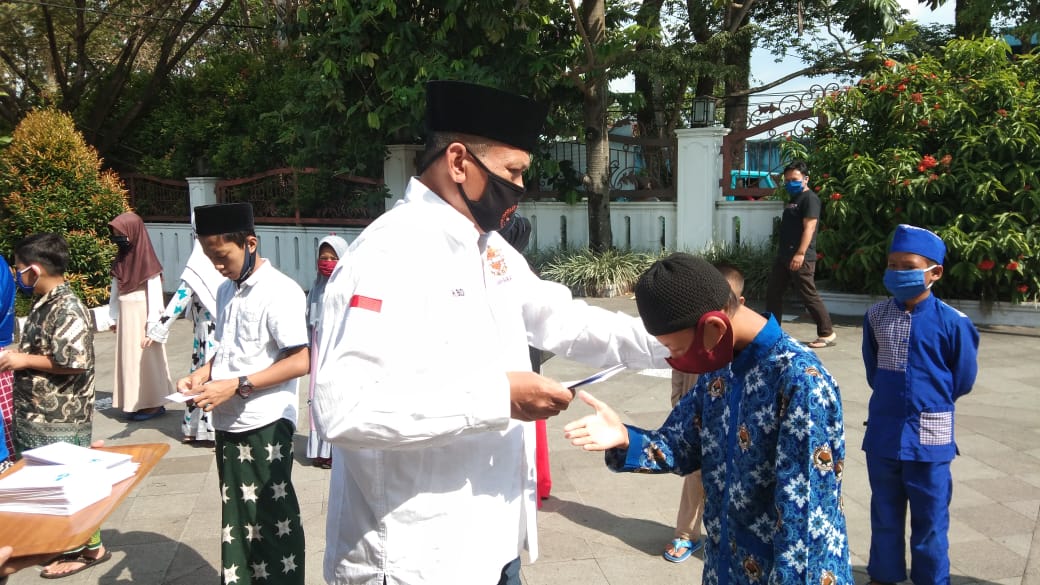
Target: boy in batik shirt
column 763, row 423
column 53, row 370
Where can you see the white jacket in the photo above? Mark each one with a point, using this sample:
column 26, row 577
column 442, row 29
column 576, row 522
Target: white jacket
column 432, row 482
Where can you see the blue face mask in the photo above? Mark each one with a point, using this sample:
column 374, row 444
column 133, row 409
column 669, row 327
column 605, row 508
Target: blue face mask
column 794, row 187
column 25, row 288
column 906, row 284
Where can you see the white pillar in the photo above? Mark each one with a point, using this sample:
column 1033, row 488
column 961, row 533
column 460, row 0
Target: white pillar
column 398, row 169
column 201, row 191
column 697, row 186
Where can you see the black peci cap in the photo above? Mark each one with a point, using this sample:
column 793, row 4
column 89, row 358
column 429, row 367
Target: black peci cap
column 468, row 108
column 223, row 218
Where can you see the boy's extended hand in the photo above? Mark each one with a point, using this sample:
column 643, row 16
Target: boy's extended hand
column 597, row 432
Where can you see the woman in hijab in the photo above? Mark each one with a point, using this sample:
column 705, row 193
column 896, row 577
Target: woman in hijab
column 196, row 299
column 331, row 249
column 142, row 374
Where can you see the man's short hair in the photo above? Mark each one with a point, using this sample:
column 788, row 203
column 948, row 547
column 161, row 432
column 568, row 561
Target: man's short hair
column 438, row 142
column 48, row 250
column 798, row 165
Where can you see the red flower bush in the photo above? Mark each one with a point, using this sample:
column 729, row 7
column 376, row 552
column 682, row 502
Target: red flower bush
column 1012, row 265
column 835, row 196
column 986, row 265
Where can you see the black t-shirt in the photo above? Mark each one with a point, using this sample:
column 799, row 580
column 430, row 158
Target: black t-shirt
column 801, row 206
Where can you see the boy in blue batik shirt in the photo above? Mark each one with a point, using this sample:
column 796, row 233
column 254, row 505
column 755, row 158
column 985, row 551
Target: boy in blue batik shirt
column 763, row 423
column 920, row 355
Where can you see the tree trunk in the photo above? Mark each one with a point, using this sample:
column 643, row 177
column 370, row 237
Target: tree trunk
column 597, row 142
column 738, row 56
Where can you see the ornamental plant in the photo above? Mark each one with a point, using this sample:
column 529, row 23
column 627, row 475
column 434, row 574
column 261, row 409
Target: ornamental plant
column 51, row 181
column 950, row 144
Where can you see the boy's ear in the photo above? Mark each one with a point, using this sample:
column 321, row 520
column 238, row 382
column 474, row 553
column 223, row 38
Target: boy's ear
column 937, row 272
column 741, row 298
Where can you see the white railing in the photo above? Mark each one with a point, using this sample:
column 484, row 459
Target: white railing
column 293, row 249
column 642, row 226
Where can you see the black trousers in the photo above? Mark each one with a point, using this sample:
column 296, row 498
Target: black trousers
column 781, row 276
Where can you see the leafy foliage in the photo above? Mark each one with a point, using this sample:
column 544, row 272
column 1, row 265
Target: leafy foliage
column 51, row 181
column 949, row 144
column 591, row 273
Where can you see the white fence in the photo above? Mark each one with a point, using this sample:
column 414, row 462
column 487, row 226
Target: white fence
column 293, row 249
column 642, row 226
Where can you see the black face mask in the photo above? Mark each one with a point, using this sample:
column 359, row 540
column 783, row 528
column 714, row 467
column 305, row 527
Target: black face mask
column 501, row 197
column 121, row 242
column 247, row 266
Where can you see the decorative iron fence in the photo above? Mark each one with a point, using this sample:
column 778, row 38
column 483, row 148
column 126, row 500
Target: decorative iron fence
column 790, row 118
column 156, row 199
column 641, row 169
column 307, row 197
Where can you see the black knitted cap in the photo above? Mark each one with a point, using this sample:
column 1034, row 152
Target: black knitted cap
column 676, row 291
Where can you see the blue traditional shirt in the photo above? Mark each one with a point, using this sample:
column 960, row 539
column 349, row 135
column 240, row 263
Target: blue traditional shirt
column 767, row 433
column 918, row 363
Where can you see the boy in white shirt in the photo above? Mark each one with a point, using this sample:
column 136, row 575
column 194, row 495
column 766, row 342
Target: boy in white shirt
column 250, row 386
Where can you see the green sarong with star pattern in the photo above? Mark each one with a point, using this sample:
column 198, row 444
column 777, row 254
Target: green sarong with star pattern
column 262, row 540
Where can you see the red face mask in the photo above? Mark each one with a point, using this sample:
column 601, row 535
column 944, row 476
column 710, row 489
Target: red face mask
column 698, row 360
column 325, row 267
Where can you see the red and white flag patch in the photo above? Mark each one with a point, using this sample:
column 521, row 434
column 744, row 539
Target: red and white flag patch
column 367, row 303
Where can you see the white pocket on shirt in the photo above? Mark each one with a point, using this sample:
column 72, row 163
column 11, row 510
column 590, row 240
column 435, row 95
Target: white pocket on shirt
column 936, row 428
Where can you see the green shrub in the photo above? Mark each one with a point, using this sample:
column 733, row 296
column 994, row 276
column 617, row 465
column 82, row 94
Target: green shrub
column 51, row 181
column 948, row 144
column 754, row 261
column 587, row 273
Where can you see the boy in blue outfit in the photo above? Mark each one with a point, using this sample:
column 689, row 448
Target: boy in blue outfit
column 763, row 424
column 920, row 355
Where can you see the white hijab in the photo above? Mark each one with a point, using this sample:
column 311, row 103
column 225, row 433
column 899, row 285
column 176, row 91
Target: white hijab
column 203, row 278
column 338, row 245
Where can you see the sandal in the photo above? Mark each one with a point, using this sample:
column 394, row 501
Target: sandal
column 75, row 557
column 822, row 342
column 143, row 415
column 690, row 546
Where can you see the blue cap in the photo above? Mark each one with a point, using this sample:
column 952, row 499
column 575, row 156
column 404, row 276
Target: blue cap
column 918, row 241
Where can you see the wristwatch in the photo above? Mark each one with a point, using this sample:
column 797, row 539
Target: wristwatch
column 245, row 387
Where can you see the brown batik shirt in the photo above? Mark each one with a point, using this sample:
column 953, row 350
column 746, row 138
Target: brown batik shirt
column 56, row 407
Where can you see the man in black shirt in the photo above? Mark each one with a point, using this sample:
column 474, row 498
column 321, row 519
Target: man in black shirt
column 796, row 258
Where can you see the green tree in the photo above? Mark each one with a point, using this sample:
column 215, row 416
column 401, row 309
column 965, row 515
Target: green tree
column 51, row 181
column 945, row 143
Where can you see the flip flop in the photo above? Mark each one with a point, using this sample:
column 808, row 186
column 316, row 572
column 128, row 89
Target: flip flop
column 76, row 557
column 690, row 546
column 822, row 342
column 143, row 416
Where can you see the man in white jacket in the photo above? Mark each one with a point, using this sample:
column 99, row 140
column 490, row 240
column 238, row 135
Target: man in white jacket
column 423, row 378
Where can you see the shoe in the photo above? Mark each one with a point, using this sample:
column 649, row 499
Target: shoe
column 690, row 546
column 143, row 416
column 822, row 342
column 76, row 557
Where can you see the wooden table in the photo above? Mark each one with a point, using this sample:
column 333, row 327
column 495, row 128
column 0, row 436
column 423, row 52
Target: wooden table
column 33, row 535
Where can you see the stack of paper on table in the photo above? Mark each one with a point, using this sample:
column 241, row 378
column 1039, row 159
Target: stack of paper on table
column 52, row 489
column 62, row 479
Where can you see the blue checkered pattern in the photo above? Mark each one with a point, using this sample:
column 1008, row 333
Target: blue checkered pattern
column 936, row 428
column 891, row 325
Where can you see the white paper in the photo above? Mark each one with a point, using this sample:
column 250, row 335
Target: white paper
column 63, row 453
column 54, row 489
column 594, row 378
column 178, row 397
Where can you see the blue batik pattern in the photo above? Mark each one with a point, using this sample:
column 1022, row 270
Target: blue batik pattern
column 767, row 433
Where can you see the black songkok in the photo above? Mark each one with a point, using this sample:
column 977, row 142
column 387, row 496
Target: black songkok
column 223, row 218
column 468, row 108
